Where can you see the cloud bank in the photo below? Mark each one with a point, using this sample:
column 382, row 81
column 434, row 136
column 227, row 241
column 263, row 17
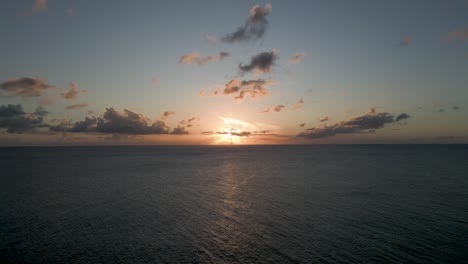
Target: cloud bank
column 361, row 124
column 15, row 120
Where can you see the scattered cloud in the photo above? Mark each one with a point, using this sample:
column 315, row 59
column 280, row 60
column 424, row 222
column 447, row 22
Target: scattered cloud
column 15, row 120
column 297, row 58
column 405, row 42
column 254, row 27
column 325, row 119
column 261, row 62
column 195, row 58
column 211, row 39
column 155, row 81
column 71, row 93
column 243, row 88
column 277, row 108
column 367, row 123
column 76, row 106
column 166, row 114
column 302, row 125
column 455, row 108
column 460, row 35
column 298, row 105
column 25, row 87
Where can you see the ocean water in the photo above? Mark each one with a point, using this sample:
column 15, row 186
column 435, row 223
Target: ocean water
column 235, row 204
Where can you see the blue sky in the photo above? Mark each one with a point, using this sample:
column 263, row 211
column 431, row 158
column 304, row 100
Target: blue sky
column 391, row 56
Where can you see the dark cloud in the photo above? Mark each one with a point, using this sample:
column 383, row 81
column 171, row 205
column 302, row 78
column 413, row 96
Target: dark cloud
column 76, row 106
column 40, row 111
column 25, row 87
column 401, row 117
column 324, row 119
column 114, row 122
column 71, row 93
column 195, row 58
column 241, row 89
column 254, row 27
column 367, row 123
column 261, row 62
column 15, row 120
column 405, row 42
column 302, row 125
column 455, row 108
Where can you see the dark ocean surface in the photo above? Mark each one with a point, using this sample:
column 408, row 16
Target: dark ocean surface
column 235, row 204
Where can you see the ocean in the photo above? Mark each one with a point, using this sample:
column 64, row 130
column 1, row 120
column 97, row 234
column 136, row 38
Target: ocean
column 234, row 204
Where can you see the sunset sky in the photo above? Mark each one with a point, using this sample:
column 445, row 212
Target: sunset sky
column 240, row 72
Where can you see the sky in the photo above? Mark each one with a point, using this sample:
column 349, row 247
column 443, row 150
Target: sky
column 233, row 72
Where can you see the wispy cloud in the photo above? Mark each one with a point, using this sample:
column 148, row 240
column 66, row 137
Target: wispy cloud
column 405, row 42
column 195, row 58
column 25, row 87
column 76, row 106
column 254, row 27
column 276, row 109
column 298, row 105
column 72, row 92
column 211, row 39
column 460, row 35
column 155, row 81
column 362, row 124
column 325, row 119
column 296, row 58
column 261, row 62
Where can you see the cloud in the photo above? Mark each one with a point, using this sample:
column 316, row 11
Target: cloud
column 72, row 93
column 76, row 106
column 254, row 27
column 458, row 35
column 46, row 101
column 405, row 42
column 441, row 110
column 298, row 105
column 261, row 62
column 325, row 119
column 302, row 125
column 455, row 108
column 155, row 81
column 277, row 108
column 243, row 88
column 114, row 122
column 15, row 120
column 40, row 111
column 211, row 39
column 195, row 58
column 297, row 58
column 39, row 6
column 166, row 114
column 25, row 87
column 367, row 123
column 401, row 117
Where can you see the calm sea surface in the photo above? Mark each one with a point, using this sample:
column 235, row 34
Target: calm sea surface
column 235, row 204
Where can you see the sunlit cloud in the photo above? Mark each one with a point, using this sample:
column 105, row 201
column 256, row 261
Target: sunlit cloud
column 39, row 6
column 296, row 58
column 25, row 87
column 367, row 123
column 254, row 27
column 72, row 92
column 242, row 88
column 460, row 35
column 297, row 105
column 195, row 58
column 277, row 108
column 262, row 63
